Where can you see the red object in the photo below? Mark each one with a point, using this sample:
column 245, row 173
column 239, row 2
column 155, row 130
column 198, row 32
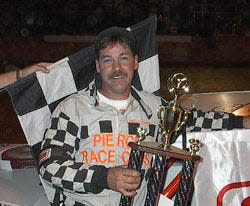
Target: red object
column 232, row 186
column 172, row 188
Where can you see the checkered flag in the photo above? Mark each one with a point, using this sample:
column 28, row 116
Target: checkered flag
column 36, row 96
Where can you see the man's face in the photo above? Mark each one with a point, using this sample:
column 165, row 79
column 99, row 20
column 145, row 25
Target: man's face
column 116, row 64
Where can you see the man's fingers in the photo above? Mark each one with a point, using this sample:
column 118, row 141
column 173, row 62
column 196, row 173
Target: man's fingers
column 123, row 180
column 128, row 193
column 131, row 172
column 130, row 186
column 43, row 66
column 132, row 179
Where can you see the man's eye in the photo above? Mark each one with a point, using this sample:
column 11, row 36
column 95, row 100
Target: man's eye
column 124, row 58
column 107, row 60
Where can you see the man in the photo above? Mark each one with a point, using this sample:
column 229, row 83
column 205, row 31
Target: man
column 85, row 150
column 10, row 77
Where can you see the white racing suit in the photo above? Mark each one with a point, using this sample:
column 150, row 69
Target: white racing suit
column 86, row 137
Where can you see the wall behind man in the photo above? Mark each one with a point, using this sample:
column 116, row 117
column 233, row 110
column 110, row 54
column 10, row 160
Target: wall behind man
column 223, row 65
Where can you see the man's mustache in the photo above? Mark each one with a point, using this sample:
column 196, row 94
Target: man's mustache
column 118, row 73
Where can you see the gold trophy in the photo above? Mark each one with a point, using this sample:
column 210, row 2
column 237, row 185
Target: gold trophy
column 172, row 118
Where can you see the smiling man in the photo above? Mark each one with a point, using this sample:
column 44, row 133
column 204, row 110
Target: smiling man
column 85, row 150
column 116, row 63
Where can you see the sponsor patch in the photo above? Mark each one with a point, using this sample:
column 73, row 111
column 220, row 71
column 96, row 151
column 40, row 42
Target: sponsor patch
column 44, row 155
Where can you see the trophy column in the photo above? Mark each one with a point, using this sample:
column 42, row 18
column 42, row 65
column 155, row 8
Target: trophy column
column 135, row 162
column 162, row 160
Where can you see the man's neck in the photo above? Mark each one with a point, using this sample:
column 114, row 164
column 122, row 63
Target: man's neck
column 118, row 104
column 113, row 96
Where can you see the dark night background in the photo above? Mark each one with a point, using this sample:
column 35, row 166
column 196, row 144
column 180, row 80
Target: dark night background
column 74, row 17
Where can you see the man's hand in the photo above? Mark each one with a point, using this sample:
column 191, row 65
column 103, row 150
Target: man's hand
column 42, row 66
column 246, row 122
column 124, row 180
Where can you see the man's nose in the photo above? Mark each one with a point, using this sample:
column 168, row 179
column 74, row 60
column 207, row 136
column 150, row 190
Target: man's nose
column 116, row 64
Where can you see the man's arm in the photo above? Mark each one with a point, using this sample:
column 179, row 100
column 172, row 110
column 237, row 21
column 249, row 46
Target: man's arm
column 57, row 157
column 10, row 77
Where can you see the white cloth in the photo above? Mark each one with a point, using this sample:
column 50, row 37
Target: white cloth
column 223, row 177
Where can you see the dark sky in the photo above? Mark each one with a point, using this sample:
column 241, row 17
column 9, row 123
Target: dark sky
column 39, row 17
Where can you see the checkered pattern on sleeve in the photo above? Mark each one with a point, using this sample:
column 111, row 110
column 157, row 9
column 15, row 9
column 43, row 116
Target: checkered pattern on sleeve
column 71, row 131
column 69, row 175
column 63, row 139
column 208, row 121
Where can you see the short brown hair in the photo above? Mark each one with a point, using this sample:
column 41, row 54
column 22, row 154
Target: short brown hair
column 113, row 35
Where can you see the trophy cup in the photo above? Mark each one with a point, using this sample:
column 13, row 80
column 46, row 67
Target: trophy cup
column 172, row 118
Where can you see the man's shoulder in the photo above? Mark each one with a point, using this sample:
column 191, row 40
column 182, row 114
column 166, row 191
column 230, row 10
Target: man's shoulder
column 147, row 94
column 149, row 97
column 76, row 98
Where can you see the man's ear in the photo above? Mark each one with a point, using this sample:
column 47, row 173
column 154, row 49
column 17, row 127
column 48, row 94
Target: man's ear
column 97, row 66
column 136, row 62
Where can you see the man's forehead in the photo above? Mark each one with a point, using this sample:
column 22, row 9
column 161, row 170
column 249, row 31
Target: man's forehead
column 124, row 49
column 116, row 44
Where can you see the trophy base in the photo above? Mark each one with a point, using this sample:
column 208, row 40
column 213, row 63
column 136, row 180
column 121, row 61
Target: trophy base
column 171, row 151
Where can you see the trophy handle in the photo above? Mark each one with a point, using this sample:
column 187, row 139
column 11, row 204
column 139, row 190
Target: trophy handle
column 184, row 119
column 159, row 112
column 160, row 115
column 165, row 134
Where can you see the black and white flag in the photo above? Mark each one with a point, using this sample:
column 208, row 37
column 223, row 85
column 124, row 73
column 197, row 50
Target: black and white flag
column 35, row 97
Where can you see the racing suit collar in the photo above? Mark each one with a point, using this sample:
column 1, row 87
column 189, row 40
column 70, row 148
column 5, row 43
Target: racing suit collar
column 94, row 98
